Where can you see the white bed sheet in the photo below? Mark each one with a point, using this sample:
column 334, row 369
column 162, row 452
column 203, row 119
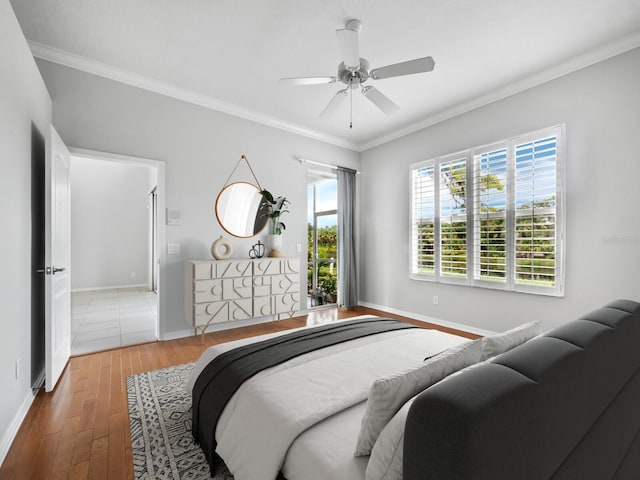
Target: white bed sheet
column 325, row 451
column 323, row 444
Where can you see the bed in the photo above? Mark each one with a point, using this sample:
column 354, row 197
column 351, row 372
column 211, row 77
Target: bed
column 304, row 418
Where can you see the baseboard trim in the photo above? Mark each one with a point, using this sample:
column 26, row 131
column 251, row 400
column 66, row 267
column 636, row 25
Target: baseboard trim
column 11, row 432
column 114, row 287
column 218, row 327
column 176, row 335
column 424, row 318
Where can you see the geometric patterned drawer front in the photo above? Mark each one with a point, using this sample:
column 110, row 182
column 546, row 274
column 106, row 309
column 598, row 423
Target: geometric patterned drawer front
column 215, row 312
column 287, row 303
column 202, row 271
column 207, row 291
column 240, row 309
column 262, row 286
column 263, row 306
column 236, row 288
column 227, row 290
column 275, row 266
column 267, row 266
column 285, row 284
column 291, row 265
column 233, row 268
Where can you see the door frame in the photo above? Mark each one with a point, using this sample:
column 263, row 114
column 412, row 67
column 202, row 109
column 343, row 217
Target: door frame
column 315, row 176
column 153, row 239
column 161, row 226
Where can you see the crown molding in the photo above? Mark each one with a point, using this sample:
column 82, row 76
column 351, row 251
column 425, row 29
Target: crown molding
column 68, row 59
column 573, row 64
column 84, row 64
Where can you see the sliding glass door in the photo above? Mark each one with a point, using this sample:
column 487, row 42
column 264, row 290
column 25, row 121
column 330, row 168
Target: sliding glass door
column 322, row 265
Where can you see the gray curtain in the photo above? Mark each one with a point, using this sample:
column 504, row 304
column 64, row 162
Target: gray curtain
column 347, row 281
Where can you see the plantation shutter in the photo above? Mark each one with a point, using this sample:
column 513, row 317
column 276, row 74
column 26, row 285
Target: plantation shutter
column 490, row 215
column 453, row 218
column 423, row 221
column 535, row 213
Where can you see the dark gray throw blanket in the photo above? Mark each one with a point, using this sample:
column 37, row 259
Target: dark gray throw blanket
column 219, row 380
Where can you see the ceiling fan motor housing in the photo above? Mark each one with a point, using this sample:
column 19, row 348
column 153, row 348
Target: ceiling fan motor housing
column 354, row 77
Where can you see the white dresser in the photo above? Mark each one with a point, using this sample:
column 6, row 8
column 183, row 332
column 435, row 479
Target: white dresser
column 218, row 291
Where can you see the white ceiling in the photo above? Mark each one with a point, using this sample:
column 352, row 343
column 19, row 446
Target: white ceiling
column 229, row 54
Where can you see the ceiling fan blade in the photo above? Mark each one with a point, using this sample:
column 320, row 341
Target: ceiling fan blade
column 335, row 102
column 419, row 65
column 380, row 100
column 307, row 80
column 348, row 44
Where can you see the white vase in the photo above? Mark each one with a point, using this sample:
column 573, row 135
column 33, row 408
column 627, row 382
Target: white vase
column 221, row 249
column 274, row 244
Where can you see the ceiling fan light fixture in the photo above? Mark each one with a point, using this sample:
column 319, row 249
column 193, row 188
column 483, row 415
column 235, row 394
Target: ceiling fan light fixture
column 354, row 71
column 348, row 45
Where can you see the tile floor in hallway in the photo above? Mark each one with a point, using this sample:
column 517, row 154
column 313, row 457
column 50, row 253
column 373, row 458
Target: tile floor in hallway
column 102, row 319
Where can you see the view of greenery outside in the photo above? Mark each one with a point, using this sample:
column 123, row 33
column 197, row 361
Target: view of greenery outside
column 453, row 219
column 327, row 271
column 535, row 218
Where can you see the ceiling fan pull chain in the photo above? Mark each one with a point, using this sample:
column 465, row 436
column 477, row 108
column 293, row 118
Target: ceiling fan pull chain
column 351, row 102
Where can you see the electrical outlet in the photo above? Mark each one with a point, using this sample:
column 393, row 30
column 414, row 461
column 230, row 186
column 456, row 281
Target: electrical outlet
column 435, row 299
column 18, row 369
column 298, row 248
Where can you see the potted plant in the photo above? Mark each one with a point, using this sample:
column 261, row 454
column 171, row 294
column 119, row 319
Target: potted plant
column 275, row 208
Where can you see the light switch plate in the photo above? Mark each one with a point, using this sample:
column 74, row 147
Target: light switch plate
column 173, row 248
column 174, row 217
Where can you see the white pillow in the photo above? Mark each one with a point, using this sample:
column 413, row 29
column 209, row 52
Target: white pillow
column 389, row 393
column 493, row 345
column 385, row 462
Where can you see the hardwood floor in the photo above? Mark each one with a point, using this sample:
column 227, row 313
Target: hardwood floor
column 81, row 429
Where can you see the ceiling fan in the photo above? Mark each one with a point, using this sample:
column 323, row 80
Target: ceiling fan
column 354, row 71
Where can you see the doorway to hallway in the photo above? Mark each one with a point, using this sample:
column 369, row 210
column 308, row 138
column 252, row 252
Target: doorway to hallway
column 114, row 253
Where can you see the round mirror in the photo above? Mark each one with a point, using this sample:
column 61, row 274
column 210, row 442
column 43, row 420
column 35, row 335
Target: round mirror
column 240, row 210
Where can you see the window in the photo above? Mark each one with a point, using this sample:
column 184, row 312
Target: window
column 492, row 216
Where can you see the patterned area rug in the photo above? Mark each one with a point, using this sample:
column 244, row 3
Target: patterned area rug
column 160, row 421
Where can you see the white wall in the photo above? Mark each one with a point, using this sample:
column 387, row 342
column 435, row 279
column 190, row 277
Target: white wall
column 600, row 106
column 109, row 224
column 200, row 147
column 23, row 100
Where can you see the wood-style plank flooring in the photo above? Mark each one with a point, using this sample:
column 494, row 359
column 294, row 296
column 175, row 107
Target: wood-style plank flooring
column 81, row 429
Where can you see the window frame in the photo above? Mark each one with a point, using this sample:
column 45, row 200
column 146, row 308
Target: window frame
column 472, row 204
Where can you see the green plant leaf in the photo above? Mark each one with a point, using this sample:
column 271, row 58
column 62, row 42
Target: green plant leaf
column 267, row 195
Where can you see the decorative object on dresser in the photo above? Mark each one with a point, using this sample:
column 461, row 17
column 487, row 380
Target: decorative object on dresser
column 228, row 290
column 274, row 244
column 275, row 207
column 221, row 249
column 240, row 207
column 257, row 250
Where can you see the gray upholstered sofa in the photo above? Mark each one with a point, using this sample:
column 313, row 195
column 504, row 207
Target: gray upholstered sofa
column 564, row 406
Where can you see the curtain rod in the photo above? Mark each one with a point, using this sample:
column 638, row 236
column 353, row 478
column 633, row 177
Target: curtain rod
column 304, row 160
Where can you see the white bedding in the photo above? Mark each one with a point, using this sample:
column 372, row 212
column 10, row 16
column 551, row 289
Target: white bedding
column 325, row 451
column 281, row 416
